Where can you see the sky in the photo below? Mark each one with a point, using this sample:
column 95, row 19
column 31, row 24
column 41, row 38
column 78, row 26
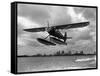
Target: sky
column 33, row 16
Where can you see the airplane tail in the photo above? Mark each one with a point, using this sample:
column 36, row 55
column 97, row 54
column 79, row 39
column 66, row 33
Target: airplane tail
column 65, row 37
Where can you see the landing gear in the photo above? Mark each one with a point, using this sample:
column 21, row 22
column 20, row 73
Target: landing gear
column 46, row 42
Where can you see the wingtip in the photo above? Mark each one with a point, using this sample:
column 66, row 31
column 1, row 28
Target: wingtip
column 24, row 29
column 88, row 23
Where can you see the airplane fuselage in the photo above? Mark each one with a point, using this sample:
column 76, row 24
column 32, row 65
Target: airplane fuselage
column 56, row 33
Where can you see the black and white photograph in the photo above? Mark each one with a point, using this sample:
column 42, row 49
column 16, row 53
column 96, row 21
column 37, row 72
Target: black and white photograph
column 55, row 37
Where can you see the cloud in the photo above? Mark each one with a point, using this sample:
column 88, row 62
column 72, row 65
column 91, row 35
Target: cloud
column 88, row 13
column 26, row 38
column 42, row 14
column 78, row 14
column 38, row 13
column 59, row 15
column 27, row 23
column 76, row 17
column 83, row 45
column 84, row 35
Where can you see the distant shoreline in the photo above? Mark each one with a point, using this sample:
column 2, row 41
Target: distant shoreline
column 57, row 55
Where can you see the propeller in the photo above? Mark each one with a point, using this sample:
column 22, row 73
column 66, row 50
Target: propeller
column 48, row 27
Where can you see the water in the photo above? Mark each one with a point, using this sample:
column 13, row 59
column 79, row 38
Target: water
column 30, row 64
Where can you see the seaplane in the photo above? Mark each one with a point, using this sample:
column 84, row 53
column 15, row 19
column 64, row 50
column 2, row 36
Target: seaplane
column 55, row 35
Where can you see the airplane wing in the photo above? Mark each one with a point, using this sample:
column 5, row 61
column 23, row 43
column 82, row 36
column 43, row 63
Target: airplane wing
column 74, row 25
column 65, row 26
column 35, row 29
